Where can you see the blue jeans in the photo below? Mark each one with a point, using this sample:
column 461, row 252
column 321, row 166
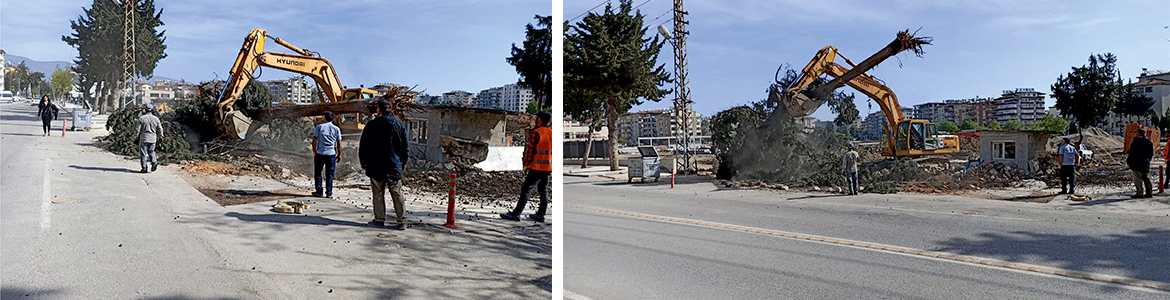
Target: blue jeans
column 851, row 179
column 147, row 150
column 328, row 162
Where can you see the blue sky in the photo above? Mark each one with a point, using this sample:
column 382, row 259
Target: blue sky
column 980, row 47
column 438, row 45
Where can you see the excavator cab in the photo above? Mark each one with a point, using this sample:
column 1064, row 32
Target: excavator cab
column 920, row 137
column 355, row 121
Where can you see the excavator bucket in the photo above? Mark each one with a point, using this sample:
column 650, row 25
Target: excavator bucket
column 797, row 104
column 236, row 125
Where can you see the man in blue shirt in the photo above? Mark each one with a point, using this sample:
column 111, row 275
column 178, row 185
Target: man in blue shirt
column 1069, row 159
column 327, row 151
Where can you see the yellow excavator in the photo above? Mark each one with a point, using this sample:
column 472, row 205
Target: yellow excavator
column 332, row 96
column 909, row 138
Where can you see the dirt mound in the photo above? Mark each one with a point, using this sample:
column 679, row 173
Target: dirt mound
column 1099, row 141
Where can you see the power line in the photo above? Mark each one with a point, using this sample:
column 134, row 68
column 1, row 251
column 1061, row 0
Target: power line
column 643, row 3
column 591, row 9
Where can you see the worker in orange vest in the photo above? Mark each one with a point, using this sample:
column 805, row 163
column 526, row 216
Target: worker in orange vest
column 537, row 168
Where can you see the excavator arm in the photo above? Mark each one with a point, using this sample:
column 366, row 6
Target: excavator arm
column 799, row 103
column 252, row 55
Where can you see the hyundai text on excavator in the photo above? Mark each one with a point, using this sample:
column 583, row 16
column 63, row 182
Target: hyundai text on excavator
column 332, row 96
column 910, row 138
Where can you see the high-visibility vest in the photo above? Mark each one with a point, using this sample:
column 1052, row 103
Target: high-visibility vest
column 542, row 151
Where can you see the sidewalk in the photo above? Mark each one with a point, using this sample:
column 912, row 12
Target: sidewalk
column 600, row 171
column 175, row 242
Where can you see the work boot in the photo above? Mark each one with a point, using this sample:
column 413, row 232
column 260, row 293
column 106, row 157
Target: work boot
column 401, row 226
column 1135, row 196
column 376, row 223
column 143, row 171
column 534, row 217
column 153, row 167
column 1148, row 196
column 316, row 194
column 509, row 216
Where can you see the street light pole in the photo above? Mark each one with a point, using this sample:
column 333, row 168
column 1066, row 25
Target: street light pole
column 682, row 101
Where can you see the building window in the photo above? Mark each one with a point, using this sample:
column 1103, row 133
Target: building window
column 418, row 131
column 1003, row 150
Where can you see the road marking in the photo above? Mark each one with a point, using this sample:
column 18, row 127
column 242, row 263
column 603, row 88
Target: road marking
column 46, row 200
column 898, row 250
column 574, row 296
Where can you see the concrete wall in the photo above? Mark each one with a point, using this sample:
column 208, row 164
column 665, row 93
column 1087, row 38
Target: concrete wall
column 1027, row 144
column 482, row 126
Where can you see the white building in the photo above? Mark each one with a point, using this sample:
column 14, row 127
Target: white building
column 579, row 131
column 1023, row 104
column 659, row 127
column 1155, row 85
column 514, row 97
column 458, row 98
column 4, row 69
column 154, row 93
column 489, row 98
column 294, row 89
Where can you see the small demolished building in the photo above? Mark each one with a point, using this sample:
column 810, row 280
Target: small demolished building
column 492, row 140
column 1018, row 149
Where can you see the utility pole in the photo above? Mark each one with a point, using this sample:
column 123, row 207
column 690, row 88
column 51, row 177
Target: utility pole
column 129, row 66
column 682, row 100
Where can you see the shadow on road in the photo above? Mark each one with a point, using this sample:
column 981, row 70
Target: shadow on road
column 291, row 219
column 103, row 169
column 1141, row 254
column 23, row 293
column 24, row 134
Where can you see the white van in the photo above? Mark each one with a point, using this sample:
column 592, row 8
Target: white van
column 6, row 96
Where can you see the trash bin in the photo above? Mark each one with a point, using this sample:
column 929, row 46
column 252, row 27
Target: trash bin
column 645, row 166
column 82, row 119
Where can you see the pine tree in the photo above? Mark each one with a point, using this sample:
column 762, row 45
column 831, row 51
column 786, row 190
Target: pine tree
column 534, row 61
column 608, row 54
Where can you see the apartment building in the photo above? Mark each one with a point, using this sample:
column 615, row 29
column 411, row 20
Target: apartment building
column 1023, row 104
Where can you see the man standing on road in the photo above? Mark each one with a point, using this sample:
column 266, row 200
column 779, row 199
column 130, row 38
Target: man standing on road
column 537, row 167
column 326, row 154
column 1141, row 150
column 149, row 131
column 1069, row 159
column 382, row 152
column 850, row 165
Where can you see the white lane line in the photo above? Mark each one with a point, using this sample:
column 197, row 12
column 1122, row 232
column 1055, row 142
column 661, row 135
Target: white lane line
column 46, row 200
column 988, row 262
column 574, row 296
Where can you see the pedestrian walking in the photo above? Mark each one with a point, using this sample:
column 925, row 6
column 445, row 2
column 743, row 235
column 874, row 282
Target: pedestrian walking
column 537, row 168
column 149, row 131
column 326, row 154
column 1141, row 150
column 849, row 163
column 1069, row 160
column 47, row 112
column 382, row 151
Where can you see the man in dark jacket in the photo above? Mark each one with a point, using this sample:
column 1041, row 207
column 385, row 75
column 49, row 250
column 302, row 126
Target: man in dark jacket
column 1140, row 152
column 382, row 151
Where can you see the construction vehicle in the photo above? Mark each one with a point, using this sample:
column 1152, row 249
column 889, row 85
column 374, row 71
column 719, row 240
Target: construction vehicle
column 332, row 96
column 909, row 137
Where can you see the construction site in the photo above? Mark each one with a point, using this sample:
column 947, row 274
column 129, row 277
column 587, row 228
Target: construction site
column 769, row 149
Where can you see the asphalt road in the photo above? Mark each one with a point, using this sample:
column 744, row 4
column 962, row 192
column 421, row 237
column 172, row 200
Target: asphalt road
column 647, row 241
column 77, row 222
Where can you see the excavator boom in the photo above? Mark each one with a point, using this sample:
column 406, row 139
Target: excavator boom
column 239, row 124
column 904, row 136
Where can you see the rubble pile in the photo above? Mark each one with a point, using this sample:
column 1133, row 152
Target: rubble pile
column 1100, row 142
